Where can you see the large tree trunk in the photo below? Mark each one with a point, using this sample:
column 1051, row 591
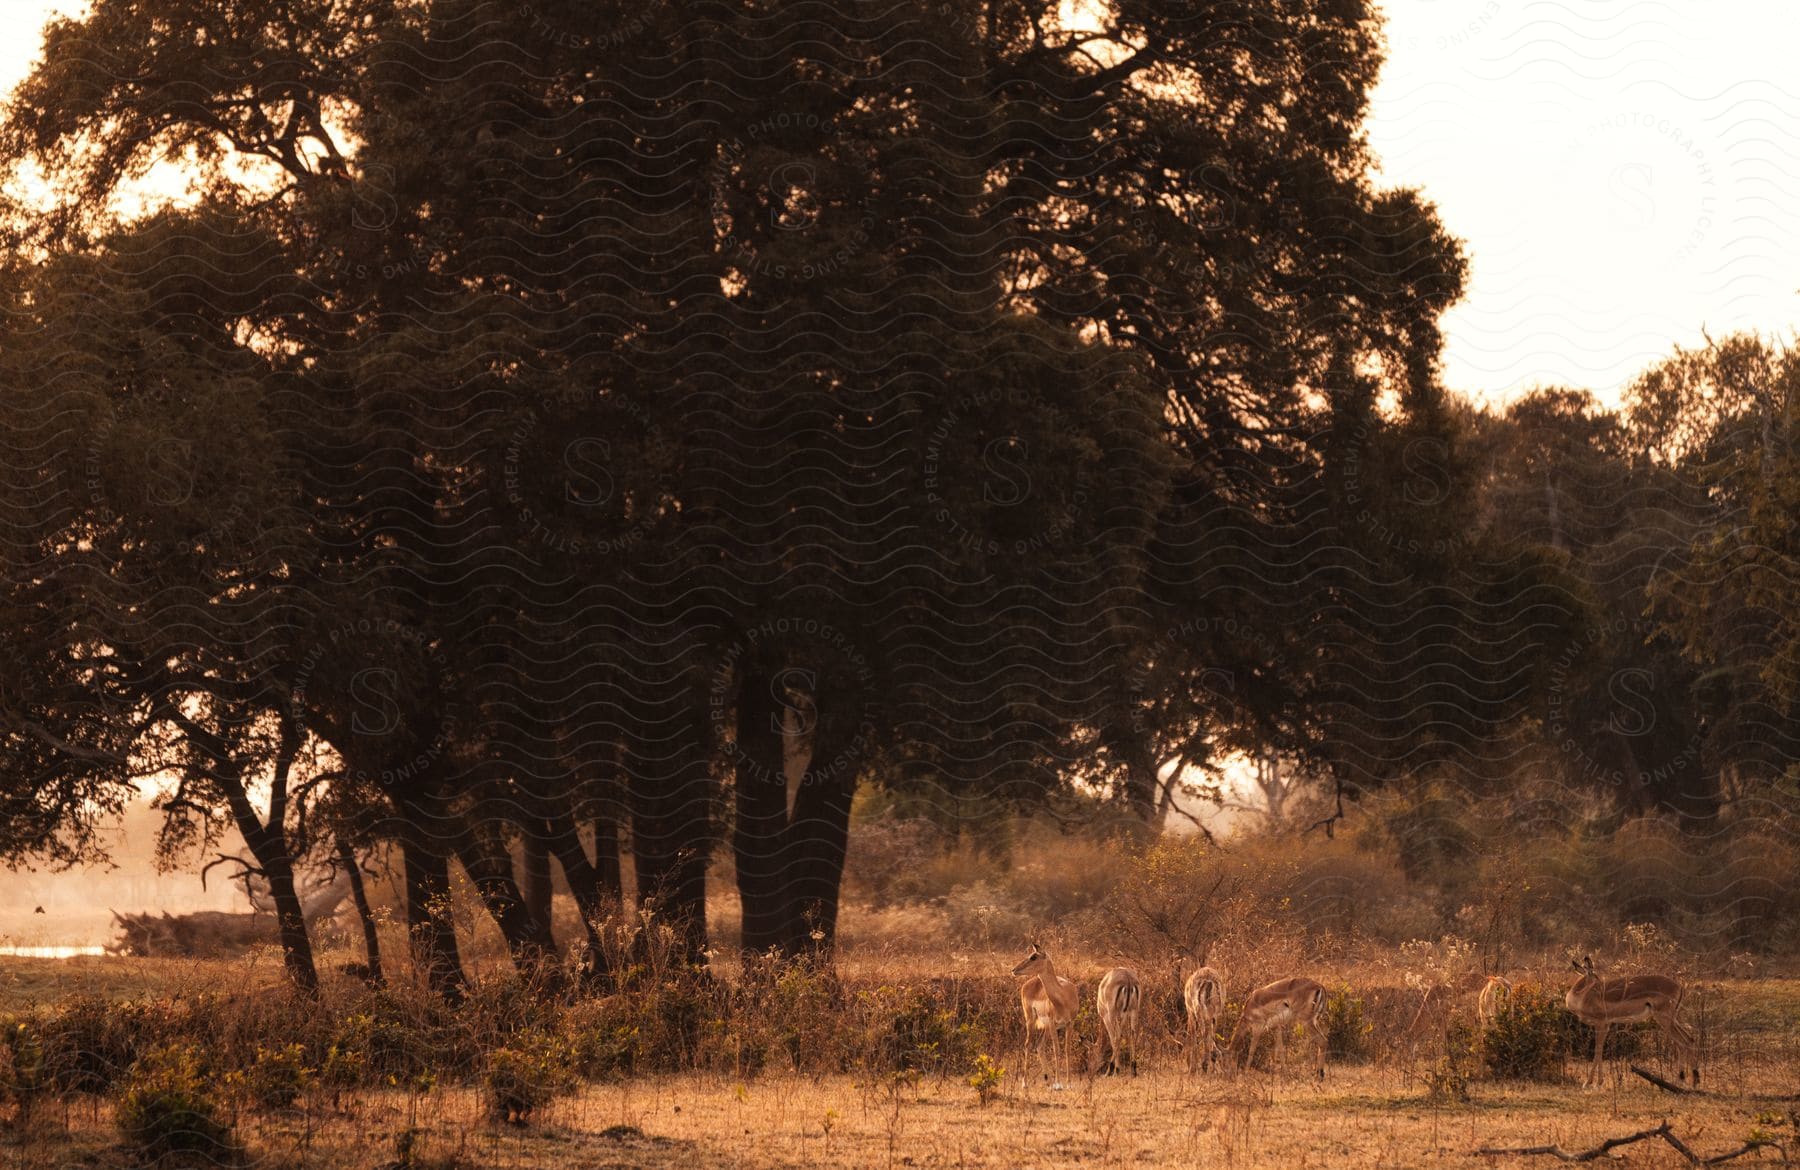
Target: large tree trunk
column 268, row 842
column 820, row 838
column 593, row 897
column 484, row 856
column 671, row 794
column 609, row 874
column 760, row 835
column 290, row 921
column 428, row 921
column 360, row 895
column 270, row 849
column 1130, row 744
column 791, row 862
column 535, row 884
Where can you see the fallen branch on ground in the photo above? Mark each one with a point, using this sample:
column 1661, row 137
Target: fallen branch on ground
column 1669, row 1086
column 1684, row 1091
column 1662, row 1131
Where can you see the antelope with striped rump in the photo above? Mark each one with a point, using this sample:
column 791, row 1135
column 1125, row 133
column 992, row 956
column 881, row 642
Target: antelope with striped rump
column 1203, row 995
column 1120, row 1003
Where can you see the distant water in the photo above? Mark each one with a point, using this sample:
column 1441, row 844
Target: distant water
column 48, row 952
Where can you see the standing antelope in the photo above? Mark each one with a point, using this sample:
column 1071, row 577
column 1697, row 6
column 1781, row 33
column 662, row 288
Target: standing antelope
column 1203, row 994
column 1601, row 1003
column 1277, row 1007
column 1048, row 1001
column 1496, row 993
column 1119, row 1000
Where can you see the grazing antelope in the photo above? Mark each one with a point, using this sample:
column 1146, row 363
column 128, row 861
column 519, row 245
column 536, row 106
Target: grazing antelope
column 1048, row 1001
column 1120, row 1000
column 1495, row 994
column 1277, row 1007
column 1203, row 994
column 1601, row 1003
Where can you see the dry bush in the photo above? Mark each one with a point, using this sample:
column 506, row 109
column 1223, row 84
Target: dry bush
column 1530, row 1035
column 981, row 914
column 1753, row 890
column 168, row 1108
column 277, row 1077
column 886, row 856
column 532, row 1069
column 1343, row 890
column 901, row 930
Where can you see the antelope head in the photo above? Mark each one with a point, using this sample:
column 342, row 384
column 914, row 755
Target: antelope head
column 1031, row 963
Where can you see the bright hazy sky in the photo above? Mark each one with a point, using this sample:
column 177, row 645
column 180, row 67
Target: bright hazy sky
column 1625, row 172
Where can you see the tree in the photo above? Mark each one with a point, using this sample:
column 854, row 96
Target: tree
column 1720, row 421
column 1573, row 479
column 143, row 580
column 776, row 399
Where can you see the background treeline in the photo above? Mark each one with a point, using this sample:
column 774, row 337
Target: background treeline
column 558, row 451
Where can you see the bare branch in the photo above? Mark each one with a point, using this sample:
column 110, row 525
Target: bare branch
column 1662, row 1131
column 245, row 868
column 1337, row 787
column 1683, row 1090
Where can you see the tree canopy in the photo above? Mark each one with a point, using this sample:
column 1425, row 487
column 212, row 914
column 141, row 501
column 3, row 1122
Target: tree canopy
column 591, row 418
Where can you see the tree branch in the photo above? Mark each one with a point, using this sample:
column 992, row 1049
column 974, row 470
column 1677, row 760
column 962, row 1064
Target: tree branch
column 1683, row 1090
column 1662, row 1131
column 1337, row 788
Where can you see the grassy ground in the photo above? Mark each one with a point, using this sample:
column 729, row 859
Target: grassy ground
column 1360, row 1117
column 26, row 983
column 1377, row 1114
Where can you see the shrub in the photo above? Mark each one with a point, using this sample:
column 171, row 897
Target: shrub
column 168, row 1108
column 91, row 1042
column 278, row 1076
column 1530, row 1035
column 983, row 914
column 985, row 1078
column 344, row 1066
column 604, row 1037
column 531, row 1071
column 1347, row 1027
column 1448, row 1083
column 906, row 1028
column 399, row 1034
column 24, row 1076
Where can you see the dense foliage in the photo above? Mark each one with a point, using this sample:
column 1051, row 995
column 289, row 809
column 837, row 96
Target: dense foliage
column 626, row 434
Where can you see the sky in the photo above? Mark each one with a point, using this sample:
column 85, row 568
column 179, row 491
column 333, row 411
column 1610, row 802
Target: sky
column 1625, row 173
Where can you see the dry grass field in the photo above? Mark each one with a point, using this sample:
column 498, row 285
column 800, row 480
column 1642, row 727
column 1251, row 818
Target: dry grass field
column 1363, row 1117
column 876, row 1065
column 1377, row 1112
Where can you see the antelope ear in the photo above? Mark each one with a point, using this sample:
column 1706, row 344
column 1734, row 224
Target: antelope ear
column 1574, row 964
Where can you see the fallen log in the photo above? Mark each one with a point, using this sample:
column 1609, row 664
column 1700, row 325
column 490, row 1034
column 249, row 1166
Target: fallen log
column 1684, row 1091
column 1668, row 1086
column 1662, row 1131
column 202, row 934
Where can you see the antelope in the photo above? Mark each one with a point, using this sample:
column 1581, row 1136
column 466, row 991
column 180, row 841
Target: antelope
column 1119, row 1000
column 1601, row 1003
column 1048, row 1001
column 1495, row 994
column 1277, row 1007
column 1203, row 994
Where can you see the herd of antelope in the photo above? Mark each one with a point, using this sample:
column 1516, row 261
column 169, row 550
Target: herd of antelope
column 1049, row 1001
